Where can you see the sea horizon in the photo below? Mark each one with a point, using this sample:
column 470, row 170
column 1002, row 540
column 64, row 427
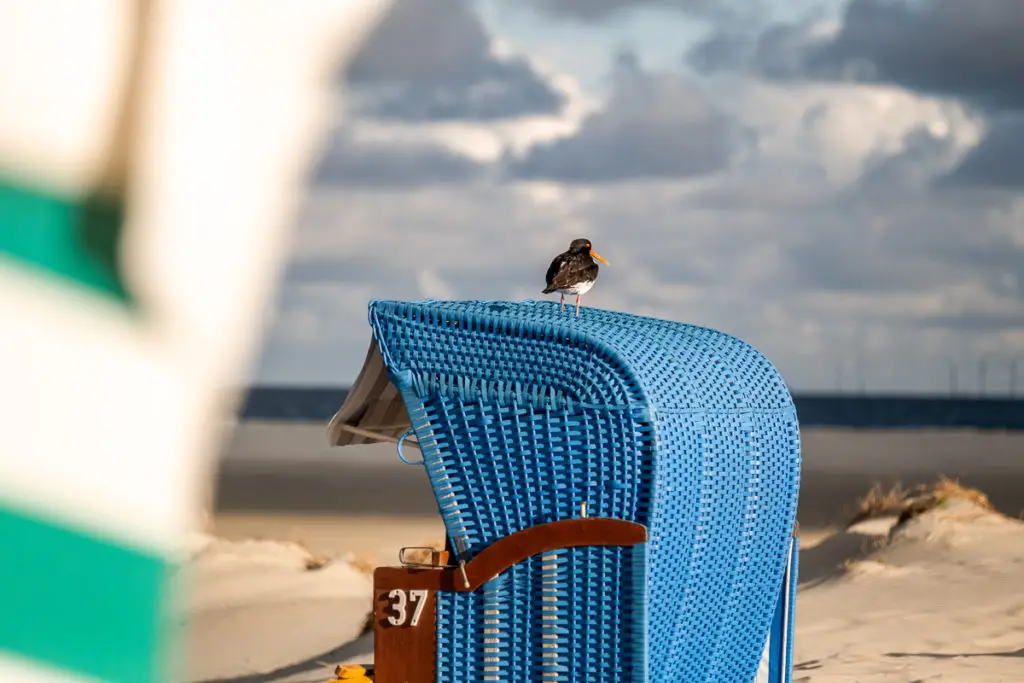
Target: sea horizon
column 861, row 409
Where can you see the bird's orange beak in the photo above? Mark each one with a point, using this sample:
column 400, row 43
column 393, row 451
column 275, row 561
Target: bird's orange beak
column 598, row 257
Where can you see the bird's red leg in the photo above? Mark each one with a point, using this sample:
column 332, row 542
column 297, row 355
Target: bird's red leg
column 563, row 303
column 577, row 305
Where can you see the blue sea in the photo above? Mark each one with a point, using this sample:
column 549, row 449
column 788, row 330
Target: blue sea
column 308, row 404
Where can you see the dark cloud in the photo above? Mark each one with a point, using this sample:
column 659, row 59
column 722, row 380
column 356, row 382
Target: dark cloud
column 970, row 50
column 951, row 48
column 431, row 60
column 653, row 126
column 853, row 264
column 602, row 10
column 779, row 51
column 947, row 47
column 910, row 170
column 850, row 250
column 376, row 164
column 782, row 52
column 915, row 245
column 997, row 161
column 726, row 49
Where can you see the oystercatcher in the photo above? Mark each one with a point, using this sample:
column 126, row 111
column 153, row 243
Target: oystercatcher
column 573, row 271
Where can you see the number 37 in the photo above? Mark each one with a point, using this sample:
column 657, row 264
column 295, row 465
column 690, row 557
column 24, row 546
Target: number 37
column 400, row 602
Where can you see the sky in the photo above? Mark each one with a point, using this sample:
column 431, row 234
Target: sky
column 838, row 182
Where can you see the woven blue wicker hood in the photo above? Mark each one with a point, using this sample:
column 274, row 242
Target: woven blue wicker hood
column 526, row 415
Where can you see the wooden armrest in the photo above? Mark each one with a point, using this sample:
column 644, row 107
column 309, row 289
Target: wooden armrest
column 405, row 627
column 513, row 549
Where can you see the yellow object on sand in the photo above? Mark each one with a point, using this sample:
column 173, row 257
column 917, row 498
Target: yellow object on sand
column 351, row 673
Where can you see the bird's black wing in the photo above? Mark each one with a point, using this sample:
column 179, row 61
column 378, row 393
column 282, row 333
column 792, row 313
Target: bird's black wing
column 557, row 265
column 568, row 270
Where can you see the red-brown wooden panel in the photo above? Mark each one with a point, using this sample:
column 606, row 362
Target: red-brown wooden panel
column 405, row 629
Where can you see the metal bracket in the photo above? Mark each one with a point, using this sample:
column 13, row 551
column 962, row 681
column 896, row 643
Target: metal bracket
column 461, row 566
column 460, row 544
column 434, row 552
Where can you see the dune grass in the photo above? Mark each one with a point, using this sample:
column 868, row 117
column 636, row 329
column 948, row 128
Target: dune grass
column 905, row 504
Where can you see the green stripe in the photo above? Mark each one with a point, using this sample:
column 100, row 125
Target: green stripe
column 74, row 239
column 78, row 602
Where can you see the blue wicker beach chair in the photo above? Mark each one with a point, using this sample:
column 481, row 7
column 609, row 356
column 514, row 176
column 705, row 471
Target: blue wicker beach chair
column 619, row 494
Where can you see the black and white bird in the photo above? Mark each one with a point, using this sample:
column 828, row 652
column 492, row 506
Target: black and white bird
column 573, row 271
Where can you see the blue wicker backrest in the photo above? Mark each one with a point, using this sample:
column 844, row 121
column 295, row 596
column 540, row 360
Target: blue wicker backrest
column 524, row 413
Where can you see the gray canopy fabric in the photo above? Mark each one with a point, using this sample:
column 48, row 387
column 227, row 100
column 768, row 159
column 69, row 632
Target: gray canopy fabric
column 373, row 411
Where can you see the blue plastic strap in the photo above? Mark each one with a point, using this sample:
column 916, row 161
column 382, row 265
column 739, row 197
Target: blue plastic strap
column 401, row 454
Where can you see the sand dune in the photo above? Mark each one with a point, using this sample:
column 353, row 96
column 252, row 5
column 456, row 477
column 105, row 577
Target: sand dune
column 269, row 611
column 938, row 600
column 935, row 598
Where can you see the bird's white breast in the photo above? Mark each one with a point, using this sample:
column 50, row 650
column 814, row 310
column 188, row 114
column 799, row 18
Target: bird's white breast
column 578, row 288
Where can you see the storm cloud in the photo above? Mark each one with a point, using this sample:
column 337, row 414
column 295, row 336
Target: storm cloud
column 433, row 60
column 653, row 126
column 970, row 51
column 351, row 163
column 605, row 10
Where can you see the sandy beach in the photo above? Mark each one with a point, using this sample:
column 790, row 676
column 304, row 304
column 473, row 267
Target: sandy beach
column 281, row 589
